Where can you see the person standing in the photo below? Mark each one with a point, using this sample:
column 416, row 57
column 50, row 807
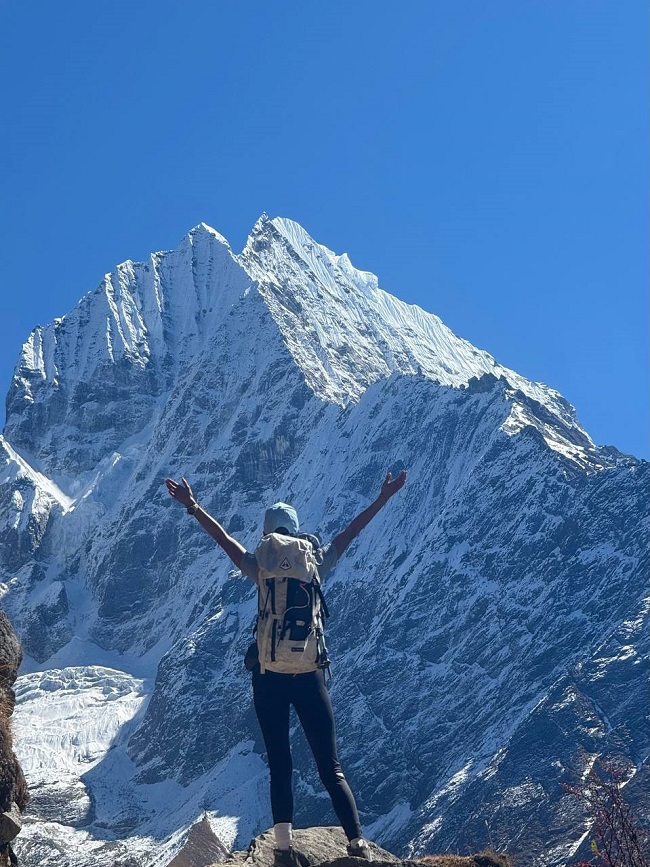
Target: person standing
column 291, row 672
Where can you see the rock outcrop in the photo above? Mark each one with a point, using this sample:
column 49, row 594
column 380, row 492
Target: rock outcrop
column 325, row 847
column 202, row 845
column 13, row 788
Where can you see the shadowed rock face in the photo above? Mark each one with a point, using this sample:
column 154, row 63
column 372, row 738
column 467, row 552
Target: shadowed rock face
column 202, row 844
column 13, row 788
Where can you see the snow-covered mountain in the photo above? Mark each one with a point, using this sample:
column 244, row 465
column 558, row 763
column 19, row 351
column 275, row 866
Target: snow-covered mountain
column 488, row 625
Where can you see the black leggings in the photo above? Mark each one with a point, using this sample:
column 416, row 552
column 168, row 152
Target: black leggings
column 273, row 696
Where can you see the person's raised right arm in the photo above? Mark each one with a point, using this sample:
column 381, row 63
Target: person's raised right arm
column 183, row 494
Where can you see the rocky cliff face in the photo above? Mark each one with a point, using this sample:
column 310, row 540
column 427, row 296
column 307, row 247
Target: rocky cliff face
column 464, row 617
column 14, row 796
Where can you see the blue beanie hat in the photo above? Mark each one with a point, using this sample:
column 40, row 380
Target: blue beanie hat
column 281, row 515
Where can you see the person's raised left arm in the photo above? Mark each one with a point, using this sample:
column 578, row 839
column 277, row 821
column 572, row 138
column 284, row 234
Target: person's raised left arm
column 389, row 488
column 183, row 493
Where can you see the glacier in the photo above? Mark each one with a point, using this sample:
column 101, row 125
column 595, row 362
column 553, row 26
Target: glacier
column 478, row 622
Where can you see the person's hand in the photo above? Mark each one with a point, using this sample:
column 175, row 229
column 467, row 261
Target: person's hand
column 182, row 493
column 391, row 486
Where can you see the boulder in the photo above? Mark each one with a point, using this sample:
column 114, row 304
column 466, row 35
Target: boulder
column 202, row 846
column 323, row 845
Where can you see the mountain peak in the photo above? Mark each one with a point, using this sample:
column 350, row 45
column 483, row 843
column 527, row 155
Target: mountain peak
column 343, row 331
column 202, row 230
column 325, row 307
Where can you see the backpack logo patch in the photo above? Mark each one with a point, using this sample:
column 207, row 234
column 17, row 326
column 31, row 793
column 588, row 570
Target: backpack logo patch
column 285, row 564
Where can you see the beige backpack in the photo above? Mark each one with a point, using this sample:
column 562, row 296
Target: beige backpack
column 290, row 637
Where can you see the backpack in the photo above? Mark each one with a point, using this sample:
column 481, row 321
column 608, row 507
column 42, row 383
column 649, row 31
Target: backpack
column 290, row 606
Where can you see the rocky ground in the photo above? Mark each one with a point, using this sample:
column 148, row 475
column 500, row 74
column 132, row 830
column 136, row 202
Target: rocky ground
column 325, row 846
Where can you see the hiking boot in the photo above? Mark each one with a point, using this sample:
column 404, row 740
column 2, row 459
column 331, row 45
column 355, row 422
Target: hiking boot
column 291, row 858
column 360, row 849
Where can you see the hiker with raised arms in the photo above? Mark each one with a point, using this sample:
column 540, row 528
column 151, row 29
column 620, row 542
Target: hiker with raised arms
column 289, row 658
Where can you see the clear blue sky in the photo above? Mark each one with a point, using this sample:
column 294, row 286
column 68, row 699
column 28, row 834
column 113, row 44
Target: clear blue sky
column 486, row 159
